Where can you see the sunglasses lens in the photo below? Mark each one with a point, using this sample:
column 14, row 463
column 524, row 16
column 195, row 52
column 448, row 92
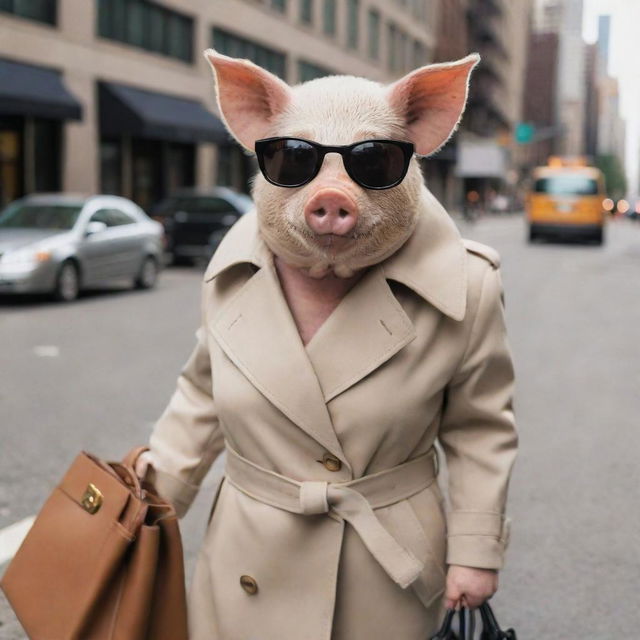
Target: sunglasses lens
column 289, row 162
column 377, row 164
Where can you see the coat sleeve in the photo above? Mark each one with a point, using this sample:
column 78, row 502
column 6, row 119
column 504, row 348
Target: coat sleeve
column 478, row 436
column 187, row 437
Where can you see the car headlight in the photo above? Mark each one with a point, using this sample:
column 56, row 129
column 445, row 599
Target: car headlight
column 25, row 257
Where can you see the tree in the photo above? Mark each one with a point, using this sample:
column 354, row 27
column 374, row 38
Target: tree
column 614, row 178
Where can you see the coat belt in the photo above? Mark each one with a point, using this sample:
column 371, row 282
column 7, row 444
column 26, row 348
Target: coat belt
column 353, row 501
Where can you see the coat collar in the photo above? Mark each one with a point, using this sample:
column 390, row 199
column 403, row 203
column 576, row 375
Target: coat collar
column 432, row 262
column 256, row 330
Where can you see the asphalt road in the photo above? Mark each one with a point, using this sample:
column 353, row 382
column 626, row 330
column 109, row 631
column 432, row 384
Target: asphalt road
column 95, row 375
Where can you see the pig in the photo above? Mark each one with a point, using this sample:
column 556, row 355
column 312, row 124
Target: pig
column 344, row 330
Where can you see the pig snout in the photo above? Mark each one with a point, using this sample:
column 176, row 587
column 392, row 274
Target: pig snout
column 331, row 211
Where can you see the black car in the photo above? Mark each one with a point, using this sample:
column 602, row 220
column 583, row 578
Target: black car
column 195, row 220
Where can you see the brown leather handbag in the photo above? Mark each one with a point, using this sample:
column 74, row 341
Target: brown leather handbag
column 103, row 560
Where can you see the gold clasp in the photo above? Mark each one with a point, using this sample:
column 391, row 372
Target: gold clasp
column 91, row 499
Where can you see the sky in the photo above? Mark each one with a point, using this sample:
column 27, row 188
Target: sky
column 623, row 64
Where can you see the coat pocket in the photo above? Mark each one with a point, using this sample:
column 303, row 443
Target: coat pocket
column 215, row 500
column 418, row 524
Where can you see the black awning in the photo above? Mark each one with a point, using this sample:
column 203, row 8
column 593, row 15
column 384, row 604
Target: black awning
column 147, row 114
column 28, row 90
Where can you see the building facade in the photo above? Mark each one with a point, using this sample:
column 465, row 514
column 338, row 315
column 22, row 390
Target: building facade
column 564, row 18
column 487, row 163
column 541, row 80
column 115, row 96
column 452, row 43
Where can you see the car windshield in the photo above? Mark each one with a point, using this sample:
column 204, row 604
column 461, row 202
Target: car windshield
column 569, row 185
column 39, row 216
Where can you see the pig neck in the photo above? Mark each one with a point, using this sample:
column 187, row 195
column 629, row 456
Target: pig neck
column 311, row 300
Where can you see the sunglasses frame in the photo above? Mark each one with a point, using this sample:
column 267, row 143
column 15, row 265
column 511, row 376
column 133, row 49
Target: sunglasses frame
column 407, row 148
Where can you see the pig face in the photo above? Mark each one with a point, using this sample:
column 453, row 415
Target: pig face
column 331, row 224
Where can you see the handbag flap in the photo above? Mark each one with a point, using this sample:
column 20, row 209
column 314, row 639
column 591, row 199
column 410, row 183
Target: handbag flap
column 109, row 493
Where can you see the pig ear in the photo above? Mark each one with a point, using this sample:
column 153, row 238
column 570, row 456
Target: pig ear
column 431, row 101
column 249, row 97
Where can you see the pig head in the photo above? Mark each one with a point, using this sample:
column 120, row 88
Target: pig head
column 332, row 224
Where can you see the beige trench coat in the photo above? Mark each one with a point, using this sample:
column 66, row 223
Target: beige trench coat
column 415, row 352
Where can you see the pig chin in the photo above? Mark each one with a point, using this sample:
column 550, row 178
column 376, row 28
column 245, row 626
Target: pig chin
column 320, row 257
column 303, row 252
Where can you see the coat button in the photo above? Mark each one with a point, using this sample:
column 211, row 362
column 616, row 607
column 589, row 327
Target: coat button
column 249, row 584
column 331, row 462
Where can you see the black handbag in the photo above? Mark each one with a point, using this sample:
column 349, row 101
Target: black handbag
column 466, row 626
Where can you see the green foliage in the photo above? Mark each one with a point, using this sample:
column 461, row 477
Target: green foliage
column 614, row 178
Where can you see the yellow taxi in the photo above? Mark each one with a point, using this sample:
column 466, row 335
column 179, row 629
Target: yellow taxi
column 565, row 201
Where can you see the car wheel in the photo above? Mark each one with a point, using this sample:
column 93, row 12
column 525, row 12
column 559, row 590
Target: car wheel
column 148, row 275
column 67, row 283
column 532, row 235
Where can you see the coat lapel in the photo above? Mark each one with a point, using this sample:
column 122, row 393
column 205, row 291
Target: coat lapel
column 369, row 326
column 433, row 261
column 365, row 330
column 257, row 332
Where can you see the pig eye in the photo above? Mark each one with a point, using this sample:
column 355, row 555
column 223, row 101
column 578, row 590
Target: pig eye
column 376, row 164
column 289, row 162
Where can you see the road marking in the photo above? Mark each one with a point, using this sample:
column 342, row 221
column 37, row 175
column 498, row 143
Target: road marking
column 47, row 351
column 11, row 538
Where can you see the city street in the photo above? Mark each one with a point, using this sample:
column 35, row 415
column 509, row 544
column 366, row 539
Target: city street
column 95, row 374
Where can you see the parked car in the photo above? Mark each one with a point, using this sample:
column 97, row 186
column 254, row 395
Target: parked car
column 61, row 244
column 195, row 220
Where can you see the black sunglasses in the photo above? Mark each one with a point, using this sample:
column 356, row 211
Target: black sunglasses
column 373, row 164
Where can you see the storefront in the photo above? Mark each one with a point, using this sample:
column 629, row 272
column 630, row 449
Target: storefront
column 482, row 165
column 439, row 174
column 148, row 141
column 34, row 103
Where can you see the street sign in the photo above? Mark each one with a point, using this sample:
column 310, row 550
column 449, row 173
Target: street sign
column 524, row 132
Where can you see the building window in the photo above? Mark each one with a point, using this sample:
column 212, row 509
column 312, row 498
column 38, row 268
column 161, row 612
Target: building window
column 279, row 5
column 353, row 14
column 418, row 9
column 235, row 168
column 419, row 54
column 329, row 17
column 11, row 158
column 397, row 48
column 401, row 57
column 237, row 47
column 146, row 25
column 154, row 168
column 47, row 144
column 306, row 11
column 392, row 36
column 110, row 167
column 179, row 166
column 374, row 34
column 30, row 156
column 309, row 71
column 38, row 10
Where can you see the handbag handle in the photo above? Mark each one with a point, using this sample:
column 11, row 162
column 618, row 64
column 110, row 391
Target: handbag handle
column 125, row 470
column 128, row 466
column 132, row 457
column 491, row 628
column 446, row 630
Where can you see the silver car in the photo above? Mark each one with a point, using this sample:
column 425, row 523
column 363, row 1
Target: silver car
column 60, row 244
